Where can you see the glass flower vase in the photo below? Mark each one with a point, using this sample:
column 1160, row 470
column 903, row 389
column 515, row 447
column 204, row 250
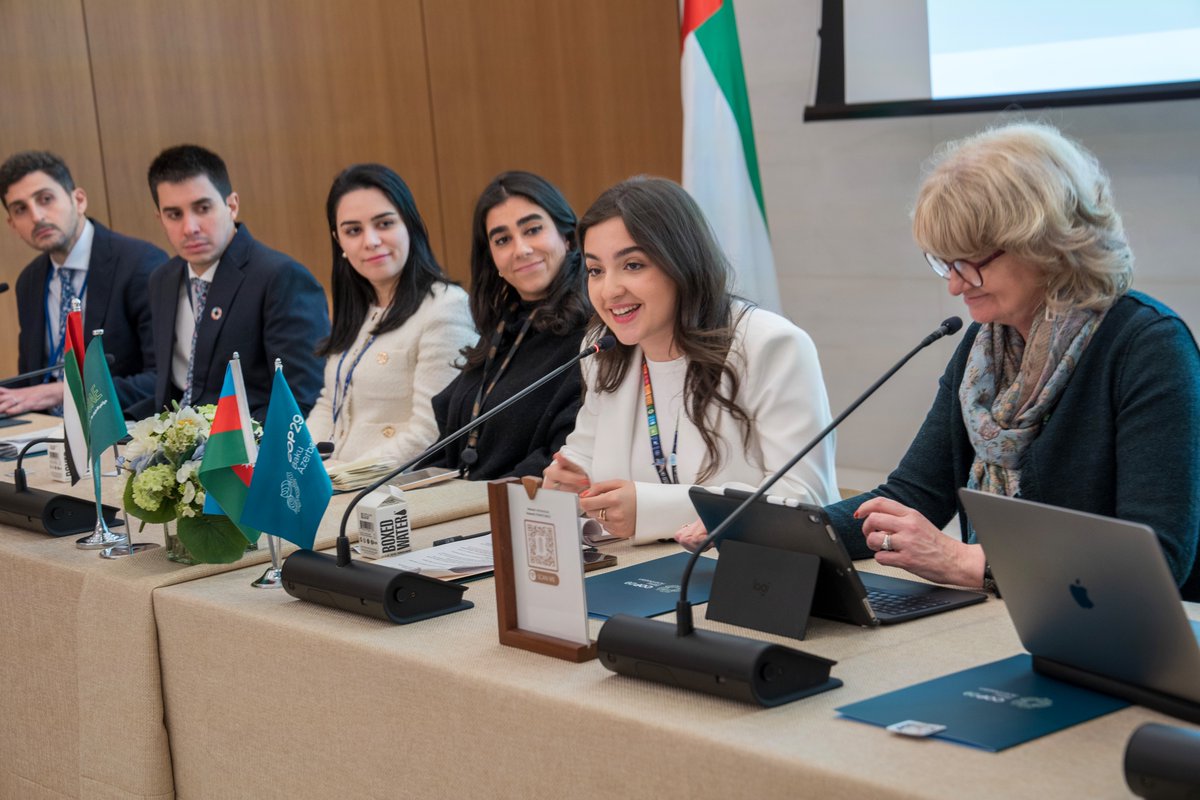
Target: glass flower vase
column 176, row 550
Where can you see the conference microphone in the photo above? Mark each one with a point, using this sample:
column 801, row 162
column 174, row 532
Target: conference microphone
column 1162, row 762
column 37, row 373
column 383, row 592
column 723, row 664
column 47, row 512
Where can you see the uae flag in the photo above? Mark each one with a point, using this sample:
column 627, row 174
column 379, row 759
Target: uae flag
column 720, row 164
column 74, row 405
column 229, row 455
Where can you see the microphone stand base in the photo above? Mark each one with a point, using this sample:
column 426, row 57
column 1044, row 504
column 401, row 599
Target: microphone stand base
column 714, row 663
column 372, row 590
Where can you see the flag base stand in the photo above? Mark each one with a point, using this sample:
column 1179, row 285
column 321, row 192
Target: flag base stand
column 271, row 579
column 121, row 551
column 100, row 539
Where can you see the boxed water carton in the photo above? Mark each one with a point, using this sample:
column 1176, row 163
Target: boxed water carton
column 59, row 471
column 383, row 523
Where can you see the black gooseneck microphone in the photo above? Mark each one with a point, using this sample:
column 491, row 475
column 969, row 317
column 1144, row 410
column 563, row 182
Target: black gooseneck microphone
column 37, row 373
column 382, row 592
column 722, row 664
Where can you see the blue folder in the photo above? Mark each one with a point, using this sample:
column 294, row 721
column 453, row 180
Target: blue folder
column 994, row 706
column 648, row 589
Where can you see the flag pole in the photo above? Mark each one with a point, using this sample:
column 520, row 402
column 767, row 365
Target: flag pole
column 272, row 578
column 101, row 537
column 124, row 545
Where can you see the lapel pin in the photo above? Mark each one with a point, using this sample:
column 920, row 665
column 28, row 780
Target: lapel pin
column 216, row 313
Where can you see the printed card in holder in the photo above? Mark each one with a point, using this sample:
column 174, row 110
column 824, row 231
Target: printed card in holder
column 540, row 601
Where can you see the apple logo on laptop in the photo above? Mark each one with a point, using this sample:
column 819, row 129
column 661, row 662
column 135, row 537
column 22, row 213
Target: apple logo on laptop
column 1080, row 594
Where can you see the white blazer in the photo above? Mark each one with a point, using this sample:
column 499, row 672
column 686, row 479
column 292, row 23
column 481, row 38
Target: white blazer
column 388, row 410
column 781, row 391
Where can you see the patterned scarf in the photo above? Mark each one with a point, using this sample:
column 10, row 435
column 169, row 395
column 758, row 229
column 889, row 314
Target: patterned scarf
column 1010, row 387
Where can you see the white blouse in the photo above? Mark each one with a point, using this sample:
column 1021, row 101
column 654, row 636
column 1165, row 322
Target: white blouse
column 782, row 392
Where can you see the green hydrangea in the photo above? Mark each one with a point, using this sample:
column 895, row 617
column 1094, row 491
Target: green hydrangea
column 153, row 486
column 180, row 439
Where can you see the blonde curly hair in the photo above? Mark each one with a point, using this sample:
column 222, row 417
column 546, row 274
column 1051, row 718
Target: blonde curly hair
column 1028, row 190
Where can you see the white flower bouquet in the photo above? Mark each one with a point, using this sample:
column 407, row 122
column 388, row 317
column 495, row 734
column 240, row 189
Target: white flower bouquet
column 163, row 460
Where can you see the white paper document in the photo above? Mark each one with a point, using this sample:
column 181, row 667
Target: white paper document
column 452, row 561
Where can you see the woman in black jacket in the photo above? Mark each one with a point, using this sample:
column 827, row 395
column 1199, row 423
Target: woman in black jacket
column 531, row 310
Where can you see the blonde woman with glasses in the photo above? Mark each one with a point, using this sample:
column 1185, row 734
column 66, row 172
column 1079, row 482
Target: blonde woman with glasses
column 1070, row 389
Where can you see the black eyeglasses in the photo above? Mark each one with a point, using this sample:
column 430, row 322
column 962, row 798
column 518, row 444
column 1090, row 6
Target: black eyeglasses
column 969, row 271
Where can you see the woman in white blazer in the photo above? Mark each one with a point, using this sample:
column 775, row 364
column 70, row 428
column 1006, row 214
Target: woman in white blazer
column 702, row 389
column 398, row 322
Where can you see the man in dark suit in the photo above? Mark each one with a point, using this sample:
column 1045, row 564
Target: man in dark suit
column 80, row 259
column 225, row 292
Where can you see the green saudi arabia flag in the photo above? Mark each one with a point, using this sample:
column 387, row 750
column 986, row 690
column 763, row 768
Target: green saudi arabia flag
column 105, row 420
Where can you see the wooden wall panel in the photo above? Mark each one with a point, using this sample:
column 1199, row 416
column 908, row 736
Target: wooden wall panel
column 46, row 86
column 585, row 93
column 449, row 92
column 288, row 92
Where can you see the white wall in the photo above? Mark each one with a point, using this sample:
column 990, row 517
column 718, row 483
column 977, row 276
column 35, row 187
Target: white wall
column 838, row 196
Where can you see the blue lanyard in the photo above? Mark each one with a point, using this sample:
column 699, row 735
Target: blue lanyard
column 56, row 350
column 342, row 390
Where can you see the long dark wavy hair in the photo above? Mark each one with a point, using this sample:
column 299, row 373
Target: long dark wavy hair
column 565, row 306
column 666, row 223
column 352, row 293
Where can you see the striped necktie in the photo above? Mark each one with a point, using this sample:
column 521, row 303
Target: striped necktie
column 199, row 297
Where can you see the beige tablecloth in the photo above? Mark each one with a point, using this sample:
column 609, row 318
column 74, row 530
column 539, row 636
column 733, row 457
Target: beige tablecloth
column 268, row 694
column 81, row 708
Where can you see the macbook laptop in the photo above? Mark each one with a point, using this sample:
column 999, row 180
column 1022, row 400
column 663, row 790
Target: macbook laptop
column 1092, row 599
column 842, row 592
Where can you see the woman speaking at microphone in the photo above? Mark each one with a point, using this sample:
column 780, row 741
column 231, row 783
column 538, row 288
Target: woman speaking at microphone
column 398, row 322
column 701, row 388
column 1069, row 389
column 528, row 301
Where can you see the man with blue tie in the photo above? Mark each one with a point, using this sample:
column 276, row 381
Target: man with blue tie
column 225, row 292
column 80, row 260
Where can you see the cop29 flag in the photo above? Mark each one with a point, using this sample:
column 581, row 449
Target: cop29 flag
column 290, row 489
column 720, row 162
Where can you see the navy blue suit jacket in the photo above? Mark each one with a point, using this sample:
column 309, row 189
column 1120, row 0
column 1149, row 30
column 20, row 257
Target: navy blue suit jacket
column 118, row 275
column 262, row 304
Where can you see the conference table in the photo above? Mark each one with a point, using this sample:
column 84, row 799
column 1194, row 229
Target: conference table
column 144, row 678
column 81, row 702
column 289, row 699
